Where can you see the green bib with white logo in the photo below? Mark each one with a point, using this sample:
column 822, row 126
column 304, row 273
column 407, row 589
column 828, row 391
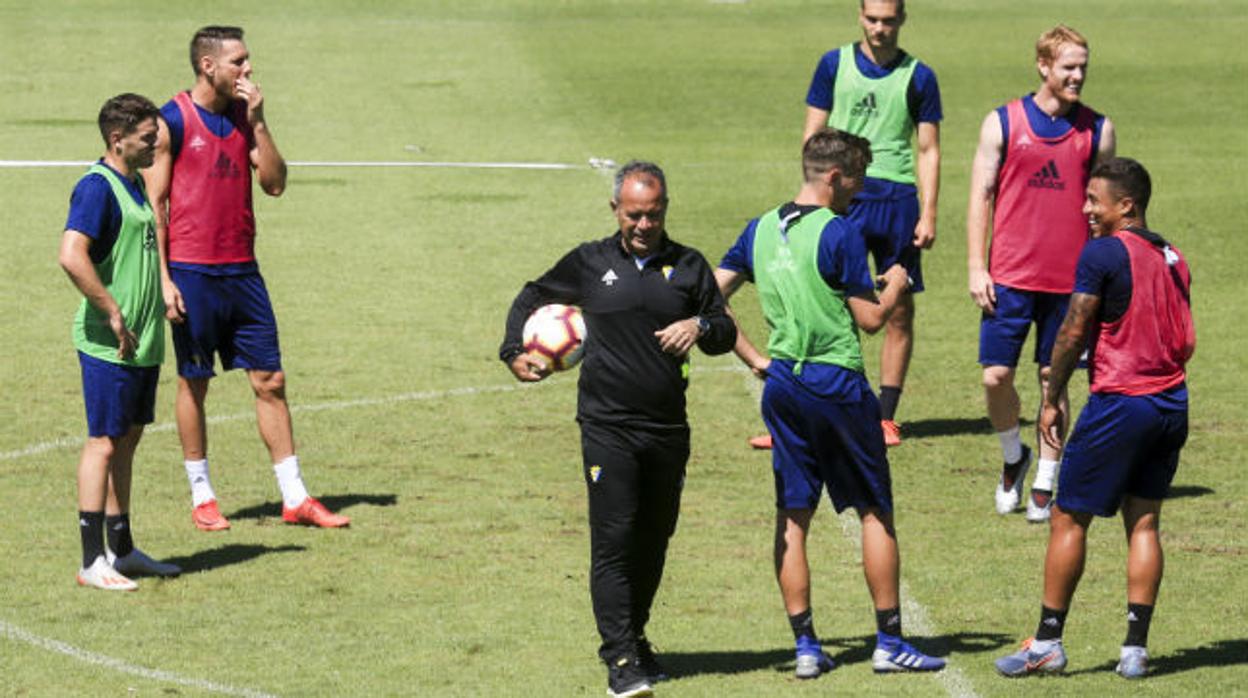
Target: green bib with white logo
column 809, row 320
column 131, row 273
column 876, row 109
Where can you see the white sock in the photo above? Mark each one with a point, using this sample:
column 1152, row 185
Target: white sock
column 201, row 487
column 1046, row 471
column 1011, row 445
column 288, row 478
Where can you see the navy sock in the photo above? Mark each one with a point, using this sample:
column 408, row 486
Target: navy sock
column 888, row 621
column 1139, row 617
column 91, row 526
column 890, row 395
column 803, row 625
column 1052, row 623
column 119, row 540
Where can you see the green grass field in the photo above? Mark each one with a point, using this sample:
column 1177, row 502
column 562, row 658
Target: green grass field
column 465, row 570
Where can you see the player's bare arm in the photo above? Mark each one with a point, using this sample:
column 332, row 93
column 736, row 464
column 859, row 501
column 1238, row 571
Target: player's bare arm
column 728, row 282
column 984, row 170
column 816, row 119
column 1109, row 142
column 871, row 312
column 156, row 180
column 1071, row 341
column 75, row 259
column 928, row 142
column 265, row 157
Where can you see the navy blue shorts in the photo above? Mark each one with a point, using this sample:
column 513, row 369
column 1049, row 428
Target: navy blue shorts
column 820, row 440
column 888, row 229
column 116, row 396
column 226, row 316
column 1122, row 445
column 1002, row 334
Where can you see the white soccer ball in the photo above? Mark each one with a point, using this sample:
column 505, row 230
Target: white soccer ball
column 556, row 333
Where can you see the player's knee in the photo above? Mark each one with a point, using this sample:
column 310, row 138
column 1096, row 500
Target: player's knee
column 102, row 446
column 193, row 388
column 996, row 377
column 269, row 385
column 902, row 317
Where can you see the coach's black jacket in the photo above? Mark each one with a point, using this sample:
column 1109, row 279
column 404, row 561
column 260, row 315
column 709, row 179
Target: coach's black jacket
column 625, row 377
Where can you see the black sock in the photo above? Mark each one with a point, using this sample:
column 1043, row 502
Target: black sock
column 1052, row 623
column 91, row 526
column 888, row 621
column 890, row 395
column 119, row 540
column 1138, row 618
column 803, row 624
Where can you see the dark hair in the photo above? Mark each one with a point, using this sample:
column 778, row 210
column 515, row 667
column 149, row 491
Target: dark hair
column 124, row 113
column 642, row 170
column 828, row 148
column 901, row 5
column 1128, row 179
column 208, row 40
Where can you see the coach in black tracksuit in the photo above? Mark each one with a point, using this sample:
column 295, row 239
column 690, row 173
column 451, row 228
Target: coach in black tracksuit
column 646, row 301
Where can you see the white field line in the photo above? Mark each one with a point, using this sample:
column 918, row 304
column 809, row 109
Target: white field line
column 19, row 635
column 912, row 612
column 28, row 164
column 16, row 634
column 421, row 396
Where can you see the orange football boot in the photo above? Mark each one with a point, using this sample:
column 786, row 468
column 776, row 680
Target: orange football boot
column 207, row 517
column 313, row 513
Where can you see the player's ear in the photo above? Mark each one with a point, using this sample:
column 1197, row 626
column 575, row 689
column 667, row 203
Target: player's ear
column 614, row 204
column 1126, row 206
column 832, row 176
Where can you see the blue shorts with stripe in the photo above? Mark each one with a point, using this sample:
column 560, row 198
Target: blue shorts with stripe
column 226, row 316
column 1002, row 334
column 117, row 397
column 1122, row 445
column 825, row 427
column 888, row 230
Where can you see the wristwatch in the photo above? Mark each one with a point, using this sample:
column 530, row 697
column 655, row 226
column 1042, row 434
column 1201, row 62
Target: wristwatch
column 703, row 325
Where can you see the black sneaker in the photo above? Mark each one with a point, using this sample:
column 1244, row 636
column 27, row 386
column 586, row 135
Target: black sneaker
column 650, row 663
column 626, row 678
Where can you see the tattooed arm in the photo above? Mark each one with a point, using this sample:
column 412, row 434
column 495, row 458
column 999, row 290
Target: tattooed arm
column 1072, row 339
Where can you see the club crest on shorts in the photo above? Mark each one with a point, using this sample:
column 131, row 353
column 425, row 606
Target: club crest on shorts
column 595, row 471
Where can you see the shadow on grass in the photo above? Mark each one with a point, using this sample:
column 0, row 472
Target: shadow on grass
column 945, row 427
column 1214, row 654
column 333, row 502
column 1189, row 491
column 226, row 555
column 846, row 650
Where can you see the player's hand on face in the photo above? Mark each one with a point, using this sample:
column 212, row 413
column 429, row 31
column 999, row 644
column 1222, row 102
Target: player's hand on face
column 1052, row 425
column 982, row 291
column 126, row 341
column 250, row 93
column 175, row 308
column 679, row 337
column 529, row 368
column 924, row 235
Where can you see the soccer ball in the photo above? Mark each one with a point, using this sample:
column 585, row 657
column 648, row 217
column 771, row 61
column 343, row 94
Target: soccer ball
column 556, row 333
